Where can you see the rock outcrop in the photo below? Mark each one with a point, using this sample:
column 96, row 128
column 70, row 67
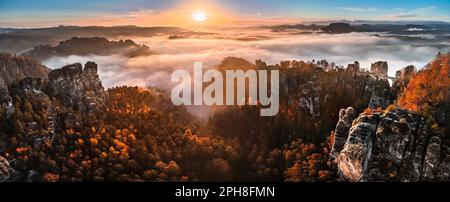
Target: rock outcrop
column 353, row 67
column 390, row 145
column 316, row 94
column 406, row 73
column 77, row 87
column 4, row 169
column 346, row 117
column 72, row 85
column 379, row 68
column 53, row 101
column 402, row 78
column 13, row 69
column 4, row 93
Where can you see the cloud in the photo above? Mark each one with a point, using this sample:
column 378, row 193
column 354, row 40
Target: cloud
column 424, row 9
column 155, row 70
column 358, row 9
column 402, row 15
column 418, row 13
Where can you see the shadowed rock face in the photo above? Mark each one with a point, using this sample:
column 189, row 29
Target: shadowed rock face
column 395, row 145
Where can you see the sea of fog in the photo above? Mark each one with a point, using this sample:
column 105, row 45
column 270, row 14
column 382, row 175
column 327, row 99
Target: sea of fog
column 155, row 70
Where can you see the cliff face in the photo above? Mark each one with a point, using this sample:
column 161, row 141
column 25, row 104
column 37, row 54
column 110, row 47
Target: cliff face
column 379, row 68
column 72, row 85
column 57, row 103
column 390, row 145
column 14, row 69
column 320, row 94
column 311, row 95
column 77, row 87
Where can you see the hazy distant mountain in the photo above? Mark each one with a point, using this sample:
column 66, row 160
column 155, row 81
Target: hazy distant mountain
column 338, row 28
column 20, row 40
column 85, row 46
column 367, row 26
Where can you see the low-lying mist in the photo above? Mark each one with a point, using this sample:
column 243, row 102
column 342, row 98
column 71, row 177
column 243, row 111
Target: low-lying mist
column 155, row 70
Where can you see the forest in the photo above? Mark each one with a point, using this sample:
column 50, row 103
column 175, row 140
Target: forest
column 137, row 135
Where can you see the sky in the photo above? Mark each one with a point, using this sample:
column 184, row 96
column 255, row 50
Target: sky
column 42, row 13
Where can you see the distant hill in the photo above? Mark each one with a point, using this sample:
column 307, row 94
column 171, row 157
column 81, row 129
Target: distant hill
column 338, row 28
column 21, row 40
column 85, row 46
column 367, row 26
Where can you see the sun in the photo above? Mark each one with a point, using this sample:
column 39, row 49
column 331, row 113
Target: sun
column 199, row 16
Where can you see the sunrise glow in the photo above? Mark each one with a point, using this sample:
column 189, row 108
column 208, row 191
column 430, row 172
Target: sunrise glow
column 199, row 16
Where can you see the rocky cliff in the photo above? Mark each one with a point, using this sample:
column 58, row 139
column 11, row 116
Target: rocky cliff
column 404, row 142
column 390, row 145
column 379, row 68
column 311, row 95
column 77, row 87
column 13, row 69
column 47, row 105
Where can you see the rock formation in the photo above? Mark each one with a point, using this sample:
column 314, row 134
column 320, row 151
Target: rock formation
column 12, row 69
column 346, row 117
column 379, row 68
column 78, row 87
column 4, row 169
column 391, row 145
column 353, row 67
column 406, row 73
column 402, row 78
column 71, row 87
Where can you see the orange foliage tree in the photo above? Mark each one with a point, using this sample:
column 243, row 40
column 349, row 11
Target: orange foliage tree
column 429, row 87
